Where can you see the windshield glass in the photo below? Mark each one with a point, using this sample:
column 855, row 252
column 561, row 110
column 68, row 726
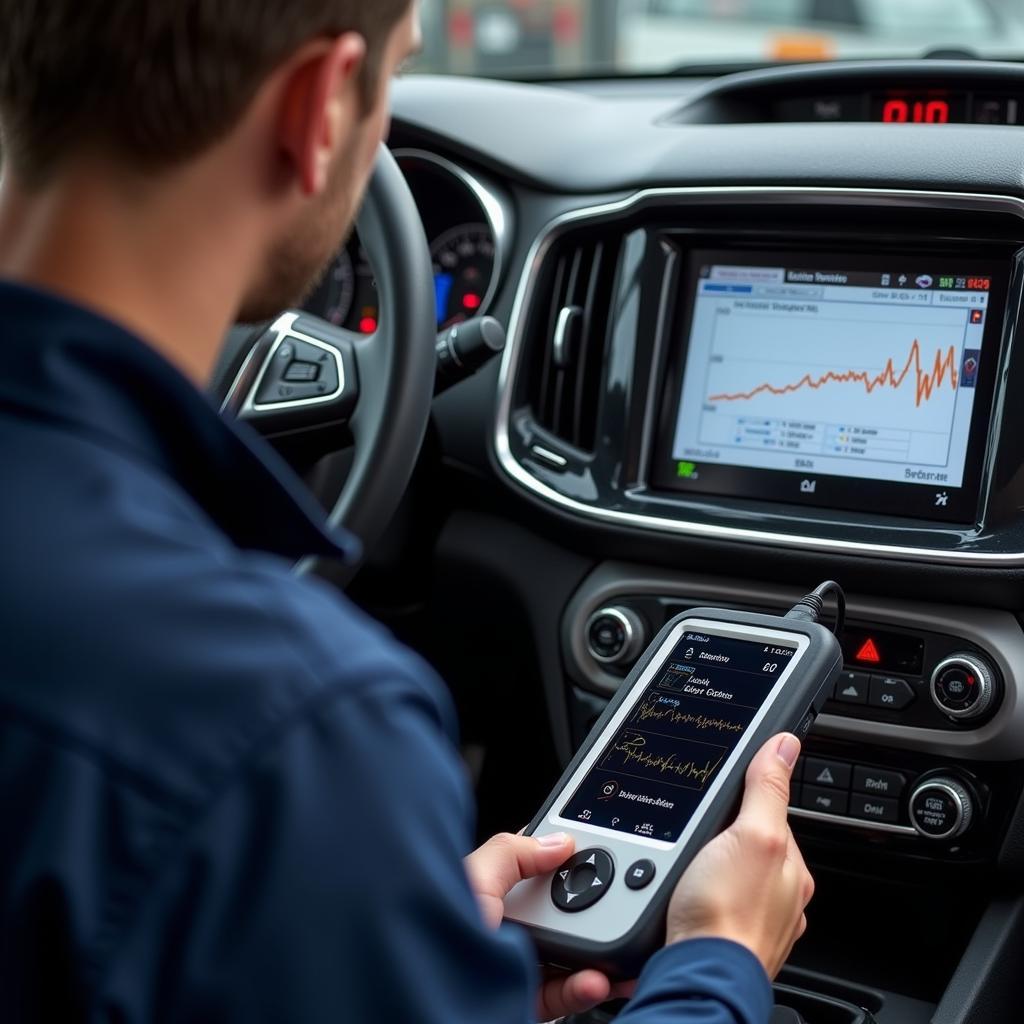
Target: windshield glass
column 537, row 38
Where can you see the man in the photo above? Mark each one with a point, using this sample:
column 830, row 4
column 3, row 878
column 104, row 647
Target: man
column 225, row 794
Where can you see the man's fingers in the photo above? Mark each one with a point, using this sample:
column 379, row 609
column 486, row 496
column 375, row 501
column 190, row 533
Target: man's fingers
column 766, row 798
column 575, row 993
column 505, row 860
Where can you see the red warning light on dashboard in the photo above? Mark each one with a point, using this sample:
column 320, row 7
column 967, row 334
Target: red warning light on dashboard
column 868, row 652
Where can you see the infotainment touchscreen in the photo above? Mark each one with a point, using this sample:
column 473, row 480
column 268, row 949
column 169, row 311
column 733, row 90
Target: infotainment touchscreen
column 843, row 382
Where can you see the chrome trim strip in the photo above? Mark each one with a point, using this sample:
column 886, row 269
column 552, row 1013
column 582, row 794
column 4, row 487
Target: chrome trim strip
column 284, row 328
column 560, row 343
column 841, row 819
column 496, row 213
column 738, row 194
column 559, row 461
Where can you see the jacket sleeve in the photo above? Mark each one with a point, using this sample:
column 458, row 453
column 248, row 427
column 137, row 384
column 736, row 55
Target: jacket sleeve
column 326, row 885
column 702, row 981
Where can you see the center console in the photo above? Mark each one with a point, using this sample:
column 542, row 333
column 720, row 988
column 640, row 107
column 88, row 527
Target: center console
column 827, row 374
column 907, row 800
column 816, row 369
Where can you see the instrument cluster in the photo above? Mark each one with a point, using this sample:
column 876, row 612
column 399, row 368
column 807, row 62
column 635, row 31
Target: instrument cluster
column 463, row 222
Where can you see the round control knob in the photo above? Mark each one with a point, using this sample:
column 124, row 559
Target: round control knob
column 615, row 636
column 963, row 686
column 941, row 808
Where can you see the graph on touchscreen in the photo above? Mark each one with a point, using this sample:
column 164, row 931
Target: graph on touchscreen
column 923, row 383
column 882, row 389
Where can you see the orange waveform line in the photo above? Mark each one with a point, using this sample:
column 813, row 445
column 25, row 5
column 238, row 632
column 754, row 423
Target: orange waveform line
column 927, row 383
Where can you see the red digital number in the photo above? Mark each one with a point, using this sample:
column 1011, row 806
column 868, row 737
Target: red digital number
column 979, row 284
column 917, row 112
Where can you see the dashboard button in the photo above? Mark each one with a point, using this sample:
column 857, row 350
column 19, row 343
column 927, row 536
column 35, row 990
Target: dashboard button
column 833, row 774
column 828, row 801
column 615, row 636
column 853, row 688
column 878, row 782
column 582, row 880
column 874, row 808
column 890, row 693
column 963, row 686
column 941, row 808
column 640, row 875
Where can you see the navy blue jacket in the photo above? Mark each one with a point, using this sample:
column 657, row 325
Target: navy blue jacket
column 225, row 794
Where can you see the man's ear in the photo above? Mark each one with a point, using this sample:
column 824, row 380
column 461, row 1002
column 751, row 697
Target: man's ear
column 322, row 103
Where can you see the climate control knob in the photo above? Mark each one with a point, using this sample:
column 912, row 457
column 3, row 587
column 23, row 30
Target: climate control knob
column 963, row 686
column 941, row 808
column 616, row 635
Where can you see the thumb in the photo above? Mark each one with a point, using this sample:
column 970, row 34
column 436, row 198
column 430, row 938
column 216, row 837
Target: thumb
column 766, row 798
column 504, row 861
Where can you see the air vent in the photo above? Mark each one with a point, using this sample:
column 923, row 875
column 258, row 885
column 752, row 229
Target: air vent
column 567, row 335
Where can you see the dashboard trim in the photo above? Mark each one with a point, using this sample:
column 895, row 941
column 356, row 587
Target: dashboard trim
column 498, row 218
column 907, row 199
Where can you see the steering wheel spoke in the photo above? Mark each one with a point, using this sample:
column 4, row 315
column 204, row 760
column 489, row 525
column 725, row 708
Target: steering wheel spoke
column 302, row 372
column 308, row 382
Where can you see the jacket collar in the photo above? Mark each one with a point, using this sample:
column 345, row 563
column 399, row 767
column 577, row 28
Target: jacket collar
column 74, row 368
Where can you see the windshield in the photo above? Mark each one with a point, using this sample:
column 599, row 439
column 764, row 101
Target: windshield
column 538, row 38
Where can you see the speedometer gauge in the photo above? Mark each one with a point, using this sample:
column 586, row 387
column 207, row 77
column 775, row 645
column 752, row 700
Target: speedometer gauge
column 463, row 271
column 333, row 297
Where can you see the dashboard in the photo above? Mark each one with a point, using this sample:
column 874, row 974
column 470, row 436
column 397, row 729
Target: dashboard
column 763, row 331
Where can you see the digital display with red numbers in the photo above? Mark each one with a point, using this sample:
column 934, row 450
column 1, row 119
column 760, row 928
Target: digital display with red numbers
column 979, row 284
column 897, row 106
column 909, row 104
column 901, row 111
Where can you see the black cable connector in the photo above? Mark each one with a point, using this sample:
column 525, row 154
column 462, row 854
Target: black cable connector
column 810, row 606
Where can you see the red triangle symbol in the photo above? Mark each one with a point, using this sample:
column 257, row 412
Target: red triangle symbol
column 869, row 652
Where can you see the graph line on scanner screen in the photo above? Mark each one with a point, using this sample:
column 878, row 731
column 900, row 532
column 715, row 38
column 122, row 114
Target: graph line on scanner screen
column 658, row 757
column 925, row 383
column 670, row 715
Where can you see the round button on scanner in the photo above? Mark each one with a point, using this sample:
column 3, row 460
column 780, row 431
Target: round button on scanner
column 582, row 880
column 615, row 636
column 941, row 808
column 963, row 686
column 640, row 875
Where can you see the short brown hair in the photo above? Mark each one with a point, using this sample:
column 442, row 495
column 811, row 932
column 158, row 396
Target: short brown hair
column 154, row 82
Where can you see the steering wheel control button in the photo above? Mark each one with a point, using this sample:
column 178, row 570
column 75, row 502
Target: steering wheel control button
column 308, row 372
column 830, row 774
column 963, row 686
column 853, row 687
column 615, row 636
column 826, row 801
column 941, row 808
column 582, row 880
column 640, row 875
column 890, row 693
column 874, row 808
column 877, row 782
column 302, row 372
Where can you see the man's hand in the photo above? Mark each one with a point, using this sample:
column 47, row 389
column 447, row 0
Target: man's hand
column 750, row 884
column 493, row 870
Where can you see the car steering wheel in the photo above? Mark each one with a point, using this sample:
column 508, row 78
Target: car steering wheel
column 301, row 374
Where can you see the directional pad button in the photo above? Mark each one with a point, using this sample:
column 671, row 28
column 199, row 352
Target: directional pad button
column 581, row 881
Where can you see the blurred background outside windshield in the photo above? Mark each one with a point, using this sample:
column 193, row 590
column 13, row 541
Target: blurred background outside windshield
column 538, row 38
